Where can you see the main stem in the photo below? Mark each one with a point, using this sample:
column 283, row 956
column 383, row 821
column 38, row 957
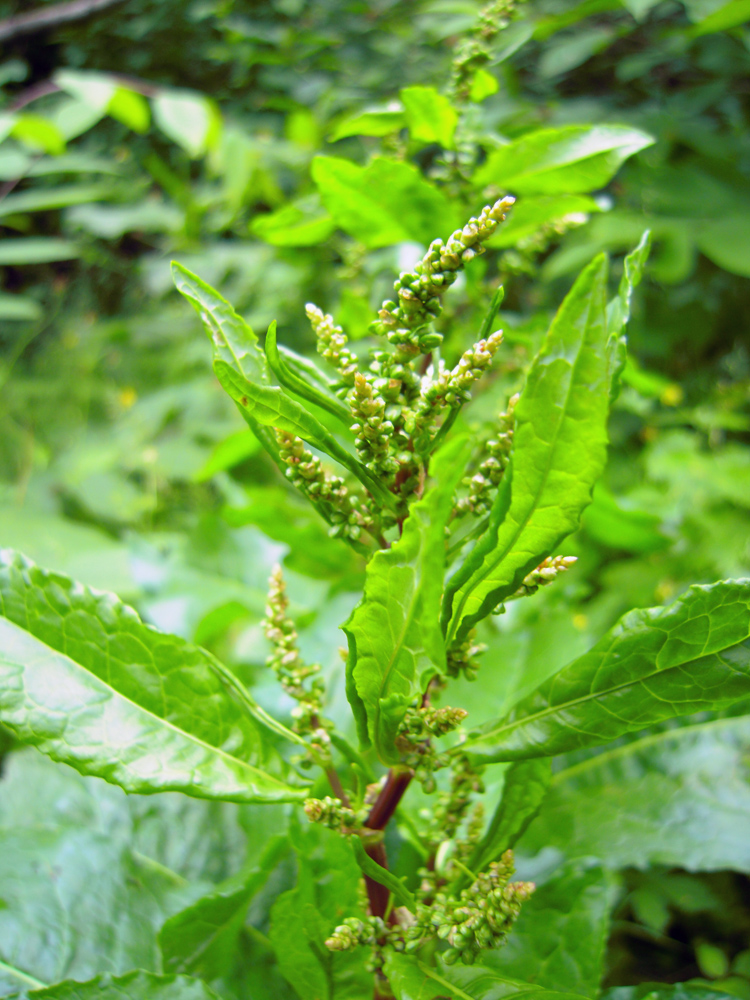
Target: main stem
column 385, row 806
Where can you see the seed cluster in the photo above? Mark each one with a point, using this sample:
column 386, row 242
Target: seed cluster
column 483, row 484
column 475, row 51
column 286, row 662
column 545, row 573
column 331, row 343
column 334, row 814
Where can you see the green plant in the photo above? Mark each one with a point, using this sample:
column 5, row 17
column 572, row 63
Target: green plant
column 451, row 529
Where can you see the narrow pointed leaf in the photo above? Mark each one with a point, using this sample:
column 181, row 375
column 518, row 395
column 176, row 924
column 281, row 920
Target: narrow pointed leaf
column 289, row 379
column 395, row 643
column 232, row 338
column 653, row 665
column 375, row 871
column 559, row 450
column 618, row 310
column 269, row 405
column 526, row 785
column 85, row 680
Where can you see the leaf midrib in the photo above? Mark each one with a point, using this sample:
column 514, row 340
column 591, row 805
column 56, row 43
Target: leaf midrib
column 592, row 696
column 164, row 722
column 491, row 566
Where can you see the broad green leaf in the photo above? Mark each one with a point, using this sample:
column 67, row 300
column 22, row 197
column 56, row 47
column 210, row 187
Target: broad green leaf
column 44, row 199
column 529, row 214
column 304, row 917
column 302, row 223
column 653, row 665
column 383, row 203
column 77, row 902
column 413, row 979
column 130, row 108
column 728, row 16
column 39, row 134
column 136, row 985
column 369, row 123
column 559, row 940
column 617, row 526
column 688, row 801
column 395, row 643
column 430, row 116
column 725, row 241
column 191, row 120
column 371, row 868
column 36, row 250
column 569, row 160
column 526, row 784
column 19, row 307
column 90, row 87
column 202, row 939
column 668, row 991
column 89, row 684
column 559, row 450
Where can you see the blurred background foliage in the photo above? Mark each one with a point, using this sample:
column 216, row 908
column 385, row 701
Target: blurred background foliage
column 288, row 152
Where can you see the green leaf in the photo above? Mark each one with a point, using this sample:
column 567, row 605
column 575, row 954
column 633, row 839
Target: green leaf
column 383, row 203
column 135, row 985
column 430, row 117
column 304, row 917
column 232, row 339
column 227, row 453
column 725, row 241
column 301, row 223
column 679, row 784
column 202, row 939
column 618, row 310
column 412, row 979
column 38, row 134
column 728, row 16
column 130, row 108
column 653, row 665
column 369, row 123
column 270, row 406
column 525, row 787
column 395, row 643
column 620, row 527
column 559, row 450
column 191, row 120
column 89, row 684
column 530, row 214
column 298, row 384
column 375, row 871
column 36, row 250
column 559, row 940
column 569, row 160
column 19, row 307
column 668, row 991
column 45, row 199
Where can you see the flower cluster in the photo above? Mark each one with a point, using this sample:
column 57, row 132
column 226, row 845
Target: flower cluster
column 453, row 804
column 406, row 323
column 475, row 51
column 332, row 812
column 286, row 662
column 373, row 431
column 483, row 484
column 480, row 918
column 547, row 571
column 331, row 344
column 329, row 492
column 462, row 656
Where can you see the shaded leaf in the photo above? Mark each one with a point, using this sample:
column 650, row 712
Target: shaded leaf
column 202, row 939
column 559, row 940
column 302, row 223
column 688, row 795
column 135, row 985
column 655, row 664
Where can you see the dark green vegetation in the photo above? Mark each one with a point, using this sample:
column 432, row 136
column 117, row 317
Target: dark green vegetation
column 423, row 485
